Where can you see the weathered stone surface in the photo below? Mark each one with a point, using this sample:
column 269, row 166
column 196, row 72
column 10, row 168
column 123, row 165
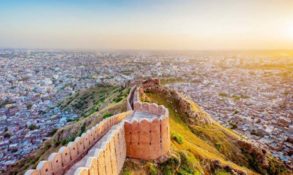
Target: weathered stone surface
column 153, row 108
column 80, row 145
column 165, row 137
column 91, row 137
column 161, row 110
column 135, row 132
column 101, row 163
column 56, row 163
column 45, row 168
column 86, row 141
column 82, row 171
column 113, row 157
column 108, row 159
column 150, row 83
column 92, row 165
column 155, row 139
column 65, row 155
column 137, row 106
column 102, row 150
column 31, row 172
column 73, row 149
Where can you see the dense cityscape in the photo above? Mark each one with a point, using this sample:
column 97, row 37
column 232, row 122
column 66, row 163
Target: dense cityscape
column 249, row 94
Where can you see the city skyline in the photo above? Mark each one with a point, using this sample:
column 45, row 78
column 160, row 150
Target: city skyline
column 156, row 25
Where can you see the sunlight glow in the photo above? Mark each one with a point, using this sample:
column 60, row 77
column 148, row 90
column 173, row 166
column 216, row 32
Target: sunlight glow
column 289, row 31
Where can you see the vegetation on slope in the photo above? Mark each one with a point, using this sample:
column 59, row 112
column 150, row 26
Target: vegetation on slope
column 88, row 101
column 201, row 145
column 104, row 99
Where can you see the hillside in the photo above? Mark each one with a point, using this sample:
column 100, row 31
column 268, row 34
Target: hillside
column 92, row 105
column 200, row 145
column 88, row 101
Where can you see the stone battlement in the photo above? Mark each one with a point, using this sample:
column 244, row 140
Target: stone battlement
column 147, row 130
column 142, row 132
column 59, row 162
column 106, row 157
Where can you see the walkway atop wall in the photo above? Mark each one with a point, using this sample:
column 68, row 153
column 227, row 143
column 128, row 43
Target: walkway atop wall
column 105, row 157
column 142, row 133
column 138, row 115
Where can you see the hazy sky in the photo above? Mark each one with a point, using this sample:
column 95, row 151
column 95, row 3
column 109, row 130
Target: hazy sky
column 147, row 24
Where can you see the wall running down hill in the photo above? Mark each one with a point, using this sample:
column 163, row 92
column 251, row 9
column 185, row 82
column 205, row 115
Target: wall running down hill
column 141, row 133
column 67, row 156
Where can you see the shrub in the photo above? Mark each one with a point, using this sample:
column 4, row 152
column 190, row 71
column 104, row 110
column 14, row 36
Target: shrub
column 126, row 172
column 221, row 172
column 107, row 115
column 82, row 129
column 218, row 146
column 67, row 140
column 117, row 99
column 152, row 169
column 169, row 167
column 232, row 125
column 72, row 120
column 52, row 132
column 177, row 137
column 187, row 163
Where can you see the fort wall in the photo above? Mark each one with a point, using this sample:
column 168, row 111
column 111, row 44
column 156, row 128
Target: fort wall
column 131, row 98
column 106, row 157
column 59, row 162
column 142, row 132
column 147, row 138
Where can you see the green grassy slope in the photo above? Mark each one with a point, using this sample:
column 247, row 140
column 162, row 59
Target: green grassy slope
column 90, row 100
column 92, row 105
column 200, row 148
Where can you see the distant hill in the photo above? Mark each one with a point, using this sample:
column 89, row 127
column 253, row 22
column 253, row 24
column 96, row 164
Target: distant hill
column 200, row 145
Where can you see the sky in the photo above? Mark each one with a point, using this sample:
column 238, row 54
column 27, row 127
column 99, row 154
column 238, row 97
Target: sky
column 147, row 24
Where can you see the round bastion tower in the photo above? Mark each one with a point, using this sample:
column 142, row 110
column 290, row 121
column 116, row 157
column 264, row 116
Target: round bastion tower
column 147, row 131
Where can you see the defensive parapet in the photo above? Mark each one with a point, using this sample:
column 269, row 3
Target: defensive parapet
column 59, row 162
column 107, row 156
column 147, row 131
column 142, row 133
column 131, row 98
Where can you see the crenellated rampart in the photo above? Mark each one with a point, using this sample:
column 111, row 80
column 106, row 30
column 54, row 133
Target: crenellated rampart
column 147, row 138
column 106, row 157
column 142, row 132
column 59, row 162
column 131, row 98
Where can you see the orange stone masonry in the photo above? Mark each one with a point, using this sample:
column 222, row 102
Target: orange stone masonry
column 142, row 133
column 147, row 138
column 60, row 162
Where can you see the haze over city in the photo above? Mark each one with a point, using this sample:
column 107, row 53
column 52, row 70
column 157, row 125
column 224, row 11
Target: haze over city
column 146, row 87
column 155, row 25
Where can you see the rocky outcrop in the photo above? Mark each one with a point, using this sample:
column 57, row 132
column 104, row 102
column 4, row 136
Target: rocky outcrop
column 257, row 153
column 251, row 154
column 194, row 114
column 217, row 165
